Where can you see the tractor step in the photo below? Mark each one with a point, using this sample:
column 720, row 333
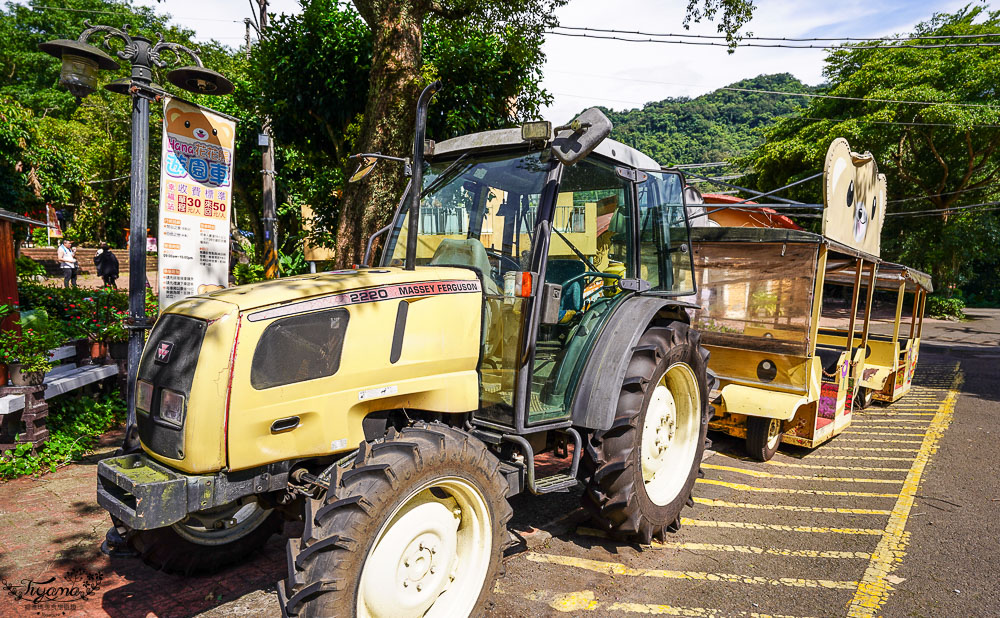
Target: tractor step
column 556, row 482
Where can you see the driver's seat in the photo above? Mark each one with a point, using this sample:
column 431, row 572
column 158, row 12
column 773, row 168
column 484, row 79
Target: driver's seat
column 470, row 253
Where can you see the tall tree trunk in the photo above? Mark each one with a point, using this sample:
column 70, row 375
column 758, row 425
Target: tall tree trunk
column 393, row 87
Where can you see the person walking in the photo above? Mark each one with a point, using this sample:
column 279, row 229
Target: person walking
column 66, row 256
column 107, row 265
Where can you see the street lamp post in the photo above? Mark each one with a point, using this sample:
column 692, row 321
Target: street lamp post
column 81, row 62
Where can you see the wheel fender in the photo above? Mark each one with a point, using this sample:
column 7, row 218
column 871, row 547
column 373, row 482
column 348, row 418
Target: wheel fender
column 596, row 395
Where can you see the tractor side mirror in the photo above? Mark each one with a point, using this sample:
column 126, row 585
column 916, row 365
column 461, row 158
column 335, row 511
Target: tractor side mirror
column 579, row 138
column 364, row 168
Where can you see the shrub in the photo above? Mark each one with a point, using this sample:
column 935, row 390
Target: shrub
column 941, row 307
column 28, row 269
column 74, row 427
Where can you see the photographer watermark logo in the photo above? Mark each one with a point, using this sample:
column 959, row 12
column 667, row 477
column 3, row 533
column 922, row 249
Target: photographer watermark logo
column 51, row 592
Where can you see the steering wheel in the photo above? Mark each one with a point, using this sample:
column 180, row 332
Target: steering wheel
column 590, row 273
column 501, row 258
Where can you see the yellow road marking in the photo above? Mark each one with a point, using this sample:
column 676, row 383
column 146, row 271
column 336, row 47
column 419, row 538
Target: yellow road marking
column 856, row 457
column 770, row 551
column 783, row 490
column 615, row 568
column 873, row 590
column 881, row 414
column 865, row 432
column 711, row 523
column 784, row 464
column 866, row 420
column 867, row 448
column 883, row 441
column 795, row 477
column 789, row 507
column 586, row 600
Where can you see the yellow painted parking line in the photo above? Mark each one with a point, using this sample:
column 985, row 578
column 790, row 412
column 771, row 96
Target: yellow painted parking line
column 769, row 551
column 789, row 507
column 615, row 568
column 866, row 448
column 795, row 477
column 711, row 523
column 783, row 490
column 883, row 441
column 865, row 432
column 901, row 413
column 874, row 589
column 586, row 600
column 813, row 456
column 876, row 419
column 784, row 464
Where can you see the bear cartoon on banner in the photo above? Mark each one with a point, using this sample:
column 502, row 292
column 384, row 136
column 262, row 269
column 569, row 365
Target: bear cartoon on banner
column 195, row 124
column 854, row 197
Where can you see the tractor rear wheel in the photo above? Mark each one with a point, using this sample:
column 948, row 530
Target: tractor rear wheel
column 644, row 467
column 416, row 528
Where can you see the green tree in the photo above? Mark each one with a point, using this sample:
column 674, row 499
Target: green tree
column 397, row 76
column 946, row 151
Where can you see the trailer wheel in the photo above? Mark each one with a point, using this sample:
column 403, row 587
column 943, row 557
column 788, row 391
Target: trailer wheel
column 416, row 528
column 865, row 397
column 763, row 437
column 644, row 467
column 206, row 541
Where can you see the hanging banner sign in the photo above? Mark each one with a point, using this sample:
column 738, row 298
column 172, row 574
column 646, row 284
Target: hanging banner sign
column 54, row 229
column 196, row 177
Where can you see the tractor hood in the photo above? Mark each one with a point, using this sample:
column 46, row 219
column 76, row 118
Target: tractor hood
column 278, row 292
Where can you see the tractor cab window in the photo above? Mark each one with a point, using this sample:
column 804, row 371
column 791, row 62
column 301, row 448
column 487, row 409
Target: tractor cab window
column 478, row 212
column 664, row 246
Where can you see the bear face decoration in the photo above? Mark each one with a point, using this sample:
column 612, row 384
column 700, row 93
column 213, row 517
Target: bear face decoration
column 199, row 126
column 853, row 198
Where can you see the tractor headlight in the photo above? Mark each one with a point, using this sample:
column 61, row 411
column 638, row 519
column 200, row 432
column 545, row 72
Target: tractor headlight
column 172, row 407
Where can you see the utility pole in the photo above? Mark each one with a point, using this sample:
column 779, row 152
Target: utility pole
column 267, row 171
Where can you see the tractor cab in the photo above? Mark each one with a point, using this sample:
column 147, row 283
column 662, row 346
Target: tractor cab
column 556, row 245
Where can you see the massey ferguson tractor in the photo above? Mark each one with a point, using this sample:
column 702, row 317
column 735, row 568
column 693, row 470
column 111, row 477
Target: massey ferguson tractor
column 526, row 302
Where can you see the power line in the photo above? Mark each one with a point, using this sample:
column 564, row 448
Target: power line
column 767, row 45
column 866, row 100
column 922, row 213
column 132, row 12
column 923, row 197
column 909, row 124
column 689, row 35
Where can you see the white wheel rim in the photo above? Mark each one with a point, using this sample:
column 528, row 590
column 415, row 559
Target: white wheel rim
column 773, row 434
column 670, row 434
column 431, row 556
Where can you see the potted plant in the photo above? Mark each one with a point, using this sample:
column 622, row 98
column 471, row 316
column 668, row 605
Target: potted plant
column 116, row 334
column 28, row 354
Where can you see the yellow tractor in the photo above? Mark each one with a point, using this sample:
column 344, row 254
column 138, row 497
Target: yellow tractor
column 526, row 302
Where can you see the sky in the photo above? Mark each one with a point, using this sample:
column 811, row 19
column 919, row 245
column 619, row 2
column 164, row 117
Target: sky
column 585, row 72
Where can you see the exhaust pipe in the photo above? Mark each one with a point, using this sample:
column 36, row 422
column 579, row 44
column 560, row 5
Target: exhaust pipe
column 417, row 183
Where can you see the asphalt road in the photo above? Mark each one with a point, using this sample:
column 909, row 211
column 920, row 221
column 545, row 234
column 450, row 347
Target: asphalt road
column 898, row 516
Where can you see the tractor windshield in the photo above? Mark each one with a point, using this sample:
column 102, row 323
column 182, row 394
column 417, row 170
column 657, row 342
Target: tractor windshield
column 478, row 210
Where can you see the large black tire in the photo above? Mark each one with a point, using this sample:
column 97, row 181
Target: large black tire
column 188, row 551
column 762, row 443
column 616, row 495
column 342, row 532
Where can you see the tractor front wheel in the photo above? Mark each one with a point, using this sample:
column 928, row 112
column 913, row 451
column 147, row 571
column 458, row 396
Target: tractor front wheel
column 208, row 540
column 643, row 468
column 416, row 528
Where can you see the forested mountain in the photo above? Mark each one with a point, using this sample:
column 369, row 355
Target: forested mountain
column 712, row 127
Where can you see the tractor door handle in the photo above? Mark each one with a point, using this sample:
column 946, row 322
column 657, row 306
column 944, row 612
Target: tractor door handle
column 284, row 424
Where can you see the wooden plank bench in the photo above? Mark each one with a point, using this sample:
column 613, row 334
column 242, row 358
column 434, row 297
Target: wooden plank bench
column 63, row 378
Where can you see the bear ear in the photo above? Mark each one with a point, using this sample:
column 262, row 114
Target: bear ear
column 226, row 131
column 173, row 115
